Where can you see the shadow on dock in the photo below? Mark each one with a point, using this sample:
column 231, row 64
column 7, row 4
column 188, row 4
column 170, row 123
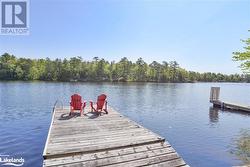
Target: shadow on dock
column 89, row 115
column 93, row 115
column 67, row 116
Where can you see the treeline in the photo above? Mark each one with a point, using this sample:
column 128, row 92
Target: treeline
column 76, row 69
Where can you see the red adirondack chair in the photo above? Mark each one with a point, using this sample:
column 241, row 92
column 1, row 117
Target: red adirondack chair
column 76, row 104
column 101, row 104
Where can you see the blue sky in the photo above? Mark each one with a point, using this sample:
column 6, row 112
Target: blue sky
column 200, row 35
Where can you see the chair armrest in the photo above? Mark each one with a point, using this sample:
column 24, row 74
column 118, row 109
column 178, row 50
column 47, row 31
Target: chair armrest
column 83, row 104
column 106, row 106
column 91, row 104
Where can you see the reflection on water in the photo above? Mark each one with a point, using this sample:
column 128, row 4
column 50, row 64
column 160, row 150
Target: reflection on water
column 242, row 146
column 213, row 115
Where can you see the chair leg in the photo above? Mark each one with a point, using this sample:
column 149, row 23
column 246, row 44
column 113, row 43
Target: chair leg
column 81, row 112
column 82, row 109
column 70, row 111
column 106, row 107
column 99, row 112
column 91, row 106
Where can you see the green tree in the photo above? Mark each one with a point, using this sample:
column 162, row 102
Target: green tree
column 244, row 57
column 123, row 69
column 113, row 72
column 140, row 70
column 155, row 71
column 65, row 74
column 165, row 75
column 50, row 73
column 192, row 76
column 7, row 66
column 75, row 67
column 100, row 70
column 174, row 66
column 41, row 67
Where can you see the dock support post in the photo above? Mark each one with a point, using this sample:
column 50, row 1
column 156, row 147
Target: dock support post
column 214, row 94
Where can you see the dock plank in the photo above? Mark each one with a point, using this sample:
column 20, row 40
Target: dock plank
column 115, row 157
column 107, row 154
column 107, row 140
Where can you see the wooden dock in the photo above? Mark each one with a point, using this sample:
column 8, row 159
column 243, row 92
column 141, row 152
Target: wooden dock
column 214, row 99
column 106, row 140
column 231, row 106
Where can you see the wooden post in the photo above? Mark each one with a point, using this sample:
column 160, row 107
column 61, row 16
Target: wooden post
column 214, row 94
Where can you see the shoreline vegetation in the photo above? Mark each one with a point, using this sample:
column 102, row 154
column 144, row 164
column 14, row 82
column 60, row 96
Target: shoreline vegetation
column 78, row 70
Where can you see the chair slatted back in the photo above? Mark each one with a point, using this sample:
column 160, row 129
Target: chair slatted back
column 76, row 102
column 101, row 101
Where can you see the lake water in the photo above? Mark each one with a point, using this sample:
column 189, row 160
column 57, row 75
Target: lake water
column 179, row 112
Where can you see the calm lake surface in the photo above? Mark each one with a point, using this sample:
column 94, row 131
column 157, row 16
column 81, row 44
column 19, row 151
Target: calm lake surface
column 179, row 112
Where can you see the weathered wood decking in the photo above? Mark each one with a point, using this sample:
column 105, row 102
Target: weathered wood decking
column 106, row 140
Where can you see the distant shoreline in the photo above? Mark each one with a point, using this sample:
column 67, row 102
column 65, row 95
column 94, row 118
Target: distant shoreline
column 118, row 82
column 76, row 69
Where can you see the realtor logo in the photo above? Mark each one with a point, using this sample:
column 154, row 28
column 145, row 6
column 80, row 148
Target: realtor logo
column 7, row 160
column 14, row 17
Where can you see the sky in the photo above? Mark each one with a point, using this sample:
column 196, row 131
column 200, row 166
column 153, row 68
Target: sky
column 199, row 34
